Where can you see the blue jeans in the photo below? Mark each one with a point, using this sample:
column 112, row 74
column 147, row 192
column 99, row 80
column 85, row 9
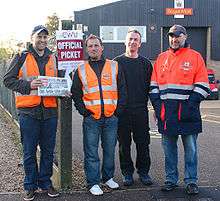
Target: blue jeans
column 93, row 130
column 36, row 132
column 169, row 144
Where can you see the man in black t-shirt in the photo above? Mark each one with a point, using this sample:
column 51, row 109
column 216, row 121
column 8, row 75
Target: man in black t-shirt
column 137, row 70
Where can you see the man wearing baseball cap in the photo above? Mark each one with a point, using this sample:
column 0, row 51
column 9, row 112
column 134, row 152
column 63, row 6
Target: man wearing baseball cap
column 177, row 30
column 37, row 115
column 39, row 28
column 179, row 83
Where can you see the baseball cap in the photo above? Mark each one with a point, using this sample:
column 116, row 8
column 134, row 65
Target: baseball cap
column 39, row 28
column 177, row 30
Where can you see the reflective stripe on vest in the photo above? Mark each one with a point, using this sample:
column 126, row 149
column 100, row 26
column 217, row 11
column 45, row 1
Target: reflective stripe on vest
column 88, row 90
column 174, row 96
column 97, row 102
column 30, row 71
column 91, row 94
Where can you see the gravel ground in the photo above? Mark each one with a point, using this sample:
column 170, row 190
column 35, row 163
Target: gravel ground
column 78, row 175
column 11, row 169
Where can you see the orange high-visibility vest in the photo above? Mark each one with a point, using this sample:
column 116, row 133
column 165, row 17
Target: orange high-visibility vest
column 91, row 92
column 30, row 71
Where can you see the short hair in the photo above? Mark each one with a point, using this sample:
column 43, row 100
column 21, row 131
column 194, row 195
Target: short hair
column 91, row 36
column 133, row 30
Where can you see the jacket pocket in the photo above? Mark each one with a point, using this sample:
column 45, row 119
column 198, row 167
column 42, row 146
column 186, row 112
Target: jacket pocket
column 189, row 111
column 186, row 77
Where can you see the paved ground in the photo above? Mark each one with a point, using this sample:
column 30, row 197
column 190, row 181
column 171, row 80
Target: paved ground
column 208, row 146
column 140, row 194
column 209, row 167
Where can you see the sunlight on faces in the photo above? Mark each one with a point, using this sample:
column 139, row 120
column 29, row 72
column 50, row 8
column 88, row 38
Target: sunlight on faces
column 177, row 42
column 39, row 40
column 132, row 42
column 94, row 49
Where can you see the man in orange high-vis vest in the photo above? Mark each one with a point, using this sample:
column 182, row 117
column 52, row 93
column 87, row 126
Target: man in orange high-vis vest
column 37, row 115
column 179, row 83
column 99, row 93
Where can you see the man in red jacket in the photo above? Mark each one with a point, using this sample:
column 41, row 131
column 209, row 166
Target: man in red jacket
column 179, row 83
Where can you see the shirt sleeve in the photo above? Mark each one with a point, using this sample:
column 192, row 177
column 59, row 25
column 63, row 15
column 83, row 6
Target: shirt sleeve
column 77, row 95
column 122, row 92
column 11, row 79
column 149, row 74
column 154, row 92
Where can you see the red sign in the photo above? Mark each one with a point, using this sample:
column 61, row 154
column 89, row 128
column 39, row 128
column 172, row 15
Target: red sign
column 70, row 50
column 179, row 11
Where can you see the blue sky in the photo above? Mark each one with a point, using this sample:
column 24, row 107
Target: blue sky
column 18, row 17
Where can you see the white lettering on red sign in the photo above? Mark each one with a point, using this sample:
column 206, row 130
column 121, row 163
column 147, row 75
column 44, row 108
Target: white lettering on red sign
column 69, row 45
column 70, row 55
column 70, row 50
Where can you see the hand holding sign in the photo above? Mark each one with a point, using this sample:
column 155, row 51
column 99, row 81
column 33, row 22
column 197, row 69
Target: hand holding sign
column 39, row 82
column 53, row 86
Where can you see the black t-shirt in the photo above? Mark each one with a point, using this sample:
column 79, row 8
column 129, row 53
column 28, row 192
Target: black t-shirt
column 137, row 73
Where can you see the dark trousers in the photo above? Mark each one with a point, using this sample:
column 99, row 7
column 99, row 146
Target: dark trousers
column 134, row 124
column 36, row 132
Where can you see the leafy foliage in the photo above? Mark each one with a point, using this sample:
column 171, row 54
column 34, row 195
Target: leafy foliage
column 52, row 24
column 5, row 53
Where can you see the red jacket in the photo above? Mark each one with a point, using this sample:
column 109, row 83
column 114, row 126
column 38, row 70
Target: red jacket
column 179, row 83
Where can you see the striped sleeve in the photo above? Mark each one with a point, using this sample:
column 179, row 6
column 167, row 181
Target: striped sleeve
column 154, row 87
column 154, row 92
column 201, row 83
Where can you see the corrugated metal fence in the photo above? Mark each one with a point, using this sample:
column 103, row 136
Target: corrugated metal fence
column 7, row 98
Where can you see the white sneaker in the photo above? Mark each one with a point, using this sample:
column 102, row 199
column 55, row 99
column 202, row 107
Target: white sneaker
column 112, row 184
column 96, row 190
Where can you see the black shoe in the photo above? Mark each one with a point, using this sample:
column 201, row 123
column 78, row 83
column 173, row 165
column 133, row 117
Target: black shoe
column 128, row 180
column 192, row 189
column 51, row 192
column 168, row 186
column 29, row 195
column 145, row 179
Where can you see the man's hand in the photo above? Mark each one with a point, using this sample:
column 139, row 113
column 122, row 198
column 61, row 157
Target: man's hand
column 38, row 83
